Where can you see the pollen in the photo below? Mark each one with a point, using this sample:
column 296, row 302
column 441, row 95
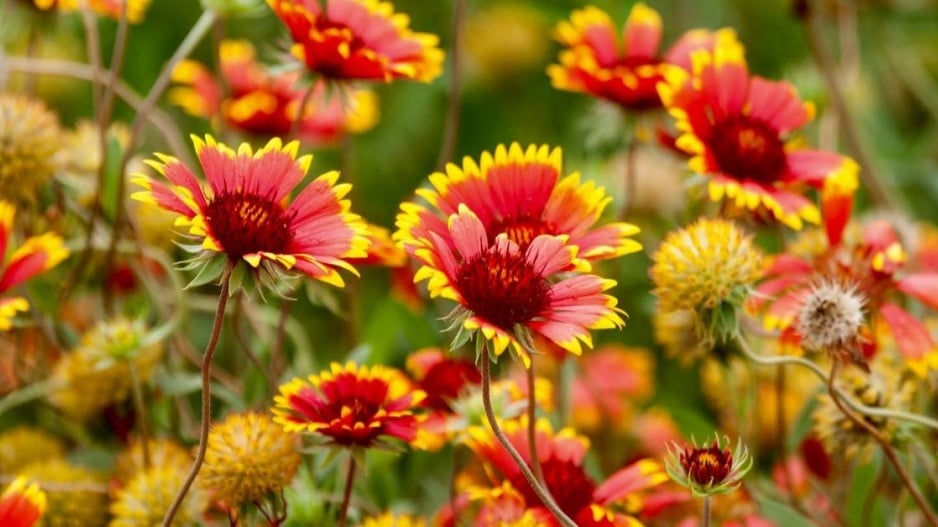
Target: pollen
column 247, row 224
column 505, row 290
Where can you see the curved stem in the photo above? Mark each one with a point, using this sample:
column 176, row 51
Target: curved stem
column 451, row 126
column 884, row 443
column 539, row 490
column 206, row 395
column 921, row 420
column 532, row 425
column 347, row 493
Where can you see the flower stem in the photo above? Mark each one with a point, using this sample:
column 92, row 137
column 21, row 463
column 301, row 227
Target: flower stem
column 532, row 425
column 538, row 489
column 918, row 419
column 451, row 125
column 347, row 493
column 206, row 394
column 706, row 511
column 884, row 443
column 143, row 420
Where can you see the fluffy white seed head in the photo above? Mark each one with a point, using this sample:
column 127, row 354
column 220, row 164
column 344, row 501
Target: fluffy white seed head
column 831, row 316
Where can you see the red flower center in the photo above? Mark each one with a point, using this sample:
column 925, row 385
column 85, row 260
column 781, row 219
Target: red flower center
column 707, row 466
column 503, row 289
column 748, row 148
column 246, row 224
column 571, row 488
column 520, row 230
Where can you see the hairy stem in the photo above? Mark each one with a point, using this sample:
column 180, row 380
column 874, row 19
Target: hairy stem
column 538, row 489
column 206, row 395
column 706, row 511
column 884, row 443
column 347, row 493
column 532, row 425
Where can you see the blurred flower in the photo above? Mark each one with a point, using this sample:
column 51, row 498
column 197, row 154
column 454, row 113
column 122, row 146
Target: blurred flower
column 520, row 45
column 36, row 255
column 707, row 268
column 114, row 9
column 97, row 372
column 708, row 470
column 442, row 378
column 76, row 496
column 520, row 193
column 381, row 250
column 884, row 387
column 682, row 334
column 22, row 504
column 145, row 499
column 390, row 519
column 80, row 156
column 561, row 455
column 595, row 62
column 873, row 269
column 163, row 453
column 610, row 382
column 656, row 184
column 737, row 127
column 30, row 136
column 23, row 445
column 248, row 457
column 243, row 214
column 252, row 99
column 504, row 289
column 358, row 39
column 352, row 406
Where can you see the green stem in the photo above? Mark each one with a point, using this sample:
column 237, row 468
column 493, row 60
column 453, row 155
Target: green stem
column 542, row 493
column 857, row 407
column 347, row 493
column 206, row 394
column 29, row 393
column 142, row 420
column 451, row 126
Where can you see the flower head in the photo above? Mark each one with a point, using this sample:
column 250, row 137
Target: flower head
column 22, row 504
column 626, row 72
column 35, row 256
column 358, row 39
column 72, row 499
column 244, row 213
column 261, row 102
column 23, row 445
column 30, row 135
column 114, row 9
column 506, row 289
column 248, row 457
column 523, row 194
column 390, row 519
column 561, row 454
column 708, row 269
column 738, row 128
column 162, row 452
column 708, row 470
column 830, row 319
column 148, row 495
column 352, row 406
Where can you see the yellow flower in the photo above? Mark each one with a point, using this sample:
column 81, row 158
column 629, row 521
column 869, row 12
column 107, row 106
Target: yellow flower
column 76, row 496
column 146, row 498
column 97, row 373
column 24, row 445
column 390, row 519
column 163, row 453
column 29, row 139
column 248, row 457
column 703, row 265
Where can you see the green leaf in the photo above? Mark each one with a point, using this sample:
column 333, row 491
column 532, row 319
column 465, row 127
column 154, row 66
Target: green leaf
column 862, row 483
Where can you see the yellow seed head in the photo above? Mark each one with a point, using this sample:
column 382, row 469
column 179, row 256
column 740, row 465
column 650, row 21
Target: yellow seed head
column 29, row 138
column 701, row 266
column 76, row 496
column 149, row 494
column 248, row 457
column 24, row 445
column 163, row 453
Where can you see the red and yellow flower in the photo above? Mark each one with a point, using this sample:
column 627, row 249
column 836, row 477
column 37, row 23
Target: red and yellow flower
column 22, row 504
column 738, row 128
column 626, row 72
column 506, row 289
column 35, row 256
column 245, row 215
column 114, row 9
column 358, row 39
column 561, row 455
column 520, row 192
column 352, row 406
column 259, row 102
column 874, row 267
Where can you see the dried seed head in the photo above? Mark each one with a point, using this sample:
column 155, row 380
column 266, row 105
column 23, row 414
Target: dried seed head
column 831, row 317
